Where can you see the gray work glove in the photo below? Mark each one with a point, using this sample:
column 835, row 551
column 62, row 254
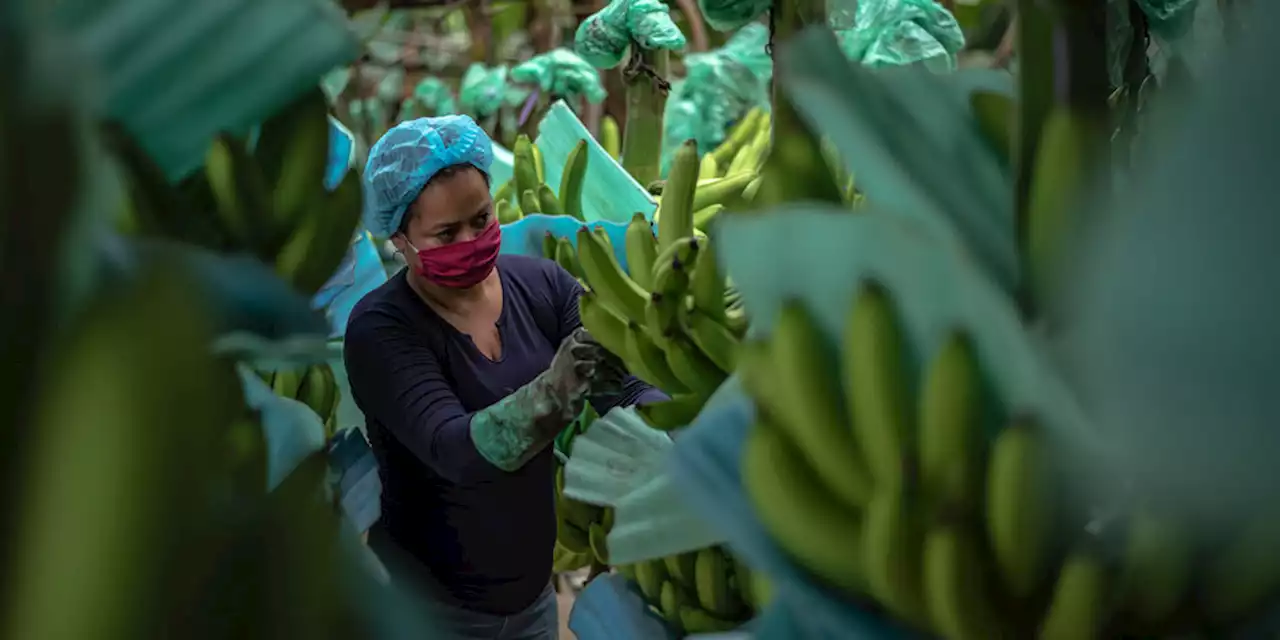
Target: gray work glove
column 513, row 430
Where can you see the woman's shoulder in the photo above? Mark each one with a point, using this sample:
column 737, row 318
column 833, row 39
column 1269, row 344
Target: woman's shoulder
column 385, row 305
column 532, row 271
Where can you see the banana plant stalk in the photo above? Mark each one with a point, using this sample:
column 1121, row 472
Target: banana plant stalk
column 645, row 77
column 796, row 151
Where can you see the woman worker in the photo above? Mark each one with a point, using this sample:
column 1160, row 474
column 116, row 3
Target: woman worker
column 467, row 365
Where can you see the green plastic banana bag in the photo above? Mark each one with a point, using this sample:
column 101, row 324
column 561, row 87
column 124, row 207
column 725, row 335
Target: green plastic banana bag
column 604, row 37
column 561, row 73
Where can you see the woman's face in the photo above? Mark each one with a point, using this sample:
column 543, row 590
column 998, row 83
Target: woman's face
column 454, row 207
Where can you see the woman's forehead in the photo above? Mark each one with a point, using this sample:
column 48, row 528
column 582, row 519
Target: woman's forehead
column 452, row 198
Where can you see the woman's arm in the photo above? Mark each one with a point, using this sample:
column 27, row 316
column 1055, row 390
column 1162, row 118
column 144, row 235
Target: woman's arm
column 401, row 384
column 634, row 390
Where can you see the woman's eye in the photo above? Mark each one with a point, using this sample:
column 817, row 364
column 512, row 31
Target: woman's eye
column 481, row 220
column 445, row 236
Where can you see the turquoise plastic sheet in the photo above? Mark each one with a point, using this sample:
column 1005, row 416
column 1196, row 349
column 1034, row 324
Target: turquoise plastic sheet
column 620, row 462
column 611, row 608
column 164, row 69
column 524, row 236
column 610, row 193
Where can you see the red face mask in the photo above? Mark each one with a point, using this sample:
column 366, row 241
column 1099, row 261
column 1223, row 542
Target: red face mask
column 462, row 264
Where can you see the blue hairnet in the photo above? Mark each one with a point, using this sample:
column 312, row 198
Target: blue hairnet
column 407, row 156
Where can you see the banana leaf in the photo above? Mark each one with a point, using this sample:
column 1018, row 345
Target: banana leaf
column 610, row 193
column 292, row 430
column 524, row 236
column 176, row 73
column 242, row 293
column 909, row 136
column 1171, row 311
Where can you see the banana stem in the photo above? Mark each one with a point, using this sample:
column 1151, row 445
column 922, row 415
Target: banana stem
column 645, row 76
column 787, row 18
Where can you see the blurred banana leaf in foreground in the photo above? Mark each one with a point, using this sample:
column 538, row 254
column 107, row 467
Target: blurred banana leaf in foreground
column 176, row 73
column 1174, row 313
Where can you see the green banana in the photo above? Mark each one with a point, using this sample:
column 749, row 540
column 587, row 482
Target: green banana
column 891, row 547
column 524, row 167
column 547, row 201
column 1078, row 608
column 548, row 246
column 670, row 600
column 1061, row 165
column 539, row 165
column 711, row 576
column 1019, row 511
column 1245, row 573
column 572, row 537
column 292, row 149
column 572, row 180
column 529, row 203
column 642, row 250
column 605, row 276
column 744, row 132
column 567, row 258
column 712, row 338
column 811, row 524
column 693, row 369
column 507, row 212
column 311, row 255
column 721, row 190
column 702, row 217
column 649, row 363
column 681, row 567
column 954, row 588
column 1156, row 569
column 317, row 390
column 239, row 189
column 675, row 413
column 650, row 576
column 706, row 284
column 950, row 427
column 707, row 168
column 610, row 137
column 676, row 209
column 695, row 620
column 597, row 537
column 876, row 385
column 506, row 192
column 791, row 379
column 286, row 383
column 604, row 325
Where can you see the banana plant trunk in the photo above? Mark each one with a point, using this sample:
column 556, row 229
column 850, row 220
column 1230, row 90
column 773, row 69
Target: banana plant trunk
column 646, row 100
column 795, row 168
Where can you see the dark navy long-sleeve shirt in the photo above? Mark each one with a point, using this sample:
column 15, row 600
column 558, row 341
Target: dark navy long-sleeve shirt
column 484, row 535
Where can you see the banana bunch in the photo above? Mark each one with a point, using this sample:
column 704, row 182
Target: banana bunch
column 581, row 528
column 729, row 175
column 314, row 386
column 527, row 193
column 952, row 526
column 267, row 198
column 704, row 591
column 673, row 319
